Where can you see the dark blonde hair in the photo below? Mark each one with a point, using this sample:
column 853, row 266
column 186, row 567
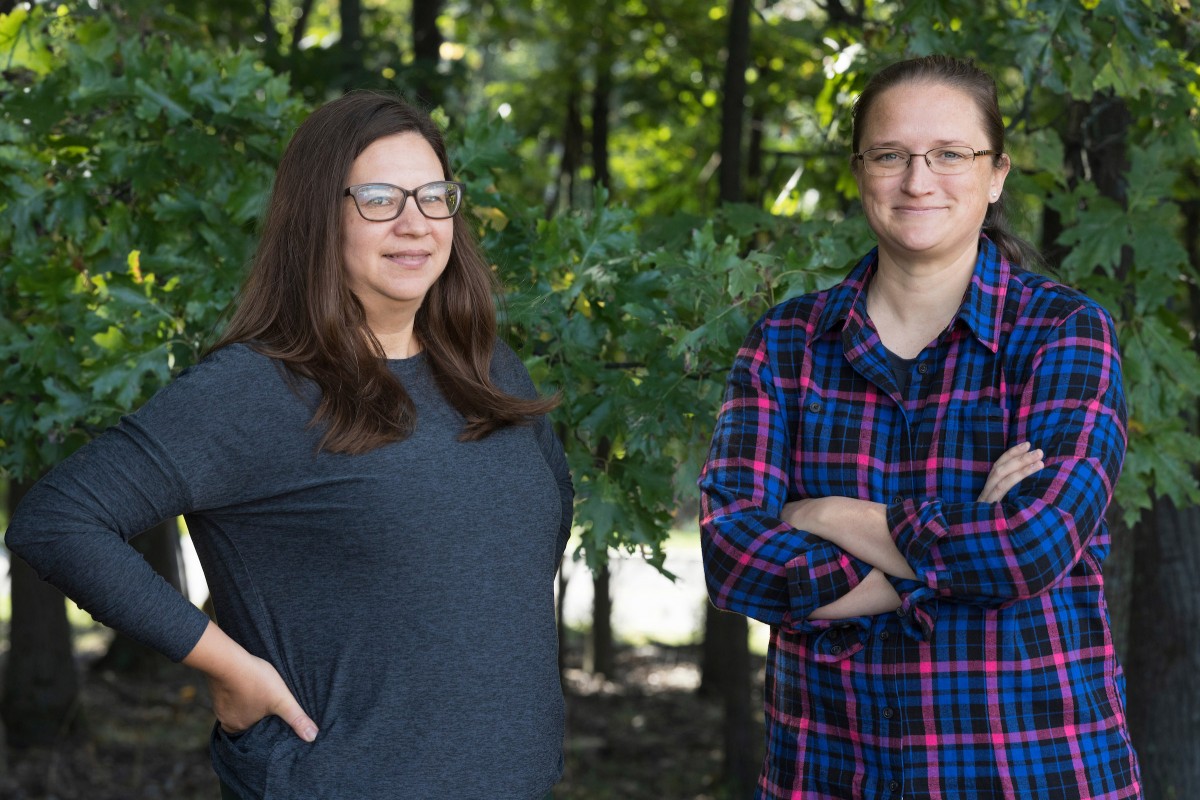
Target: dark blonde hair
column 969, row 79
column 297, row 307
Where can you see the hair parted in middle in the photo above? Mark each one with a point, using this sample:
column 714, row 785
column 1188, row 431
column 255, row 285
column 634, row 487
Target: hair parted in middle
column 296, row 304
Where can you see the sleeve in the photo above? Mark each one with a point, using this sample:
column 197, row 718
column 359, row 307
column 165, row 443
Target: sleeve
column 552, row 449
column 511, row 372
column 73, row 527
column 1073, row 408
column 754, row 563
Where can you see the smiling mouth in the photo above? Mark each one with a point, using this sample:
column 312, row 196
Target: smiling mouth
column 408, row 258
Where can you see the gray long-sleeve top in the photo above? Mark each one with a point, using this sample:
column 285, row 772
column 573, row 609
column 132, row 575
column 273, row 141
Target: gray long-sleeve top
column 405, row 595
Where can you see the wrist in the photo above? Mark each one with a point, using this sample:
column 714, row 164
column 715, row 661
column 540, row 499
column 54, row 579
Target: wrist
column 217, row 655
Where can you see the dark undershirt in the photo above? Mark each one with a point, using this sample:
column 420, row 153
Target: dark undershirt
column 901, row 369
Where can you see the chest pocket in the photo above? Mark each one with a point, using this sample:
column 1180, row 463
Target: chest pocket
column 969, row 441
column 834, row 449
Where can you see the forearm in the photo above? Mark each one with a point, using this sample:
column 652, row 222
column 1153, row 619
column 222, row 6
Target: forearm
column 217, row 655
column 757, row 566
column 874, row 595
column 859, row 527
column 73, row 526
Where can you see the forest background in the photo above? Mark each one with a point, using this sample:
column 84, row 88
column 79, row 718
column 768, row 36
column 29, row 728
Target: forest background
column 648, row 178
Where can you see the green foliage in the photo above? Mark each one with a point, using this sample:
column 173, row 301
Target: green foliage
column 130, row 195
column 133, row 173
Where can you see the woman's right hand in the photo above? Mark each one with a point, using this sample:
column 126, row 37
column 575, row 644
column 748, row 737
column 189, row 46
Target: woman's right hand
column 1016, row 464
column 245, row 688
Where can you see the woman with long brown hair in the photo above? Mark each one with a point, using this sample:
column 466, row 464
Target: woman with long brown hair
column 372, row 485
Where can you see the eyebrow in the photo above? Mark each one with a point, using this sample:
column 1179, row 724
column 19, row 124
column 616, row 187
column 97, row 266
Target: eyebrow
column 893, row 144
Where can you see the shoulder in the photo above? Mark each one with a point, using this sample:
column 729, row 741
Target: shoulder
column 238, row 367
column 222, row 383
column 1044, row 304
column 797, row 320
column 233, row 359
column 509, row 372
column 1050, row 325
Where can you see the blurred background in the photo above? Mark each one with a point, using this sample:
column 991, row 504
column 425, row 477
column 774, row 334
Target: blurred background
column 648, row 178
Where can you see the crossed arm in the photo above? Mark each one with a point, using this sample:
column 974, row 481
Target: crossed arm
column 860, row 528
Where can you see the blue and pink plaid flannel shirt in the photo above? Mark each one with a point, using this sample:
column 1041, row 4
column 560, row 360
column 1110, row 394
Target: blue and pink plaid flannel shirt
column 997, row 676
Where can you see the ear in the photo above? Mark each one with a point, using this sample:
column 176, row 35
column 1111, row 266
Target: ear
column 999, row 174
column 857, row 171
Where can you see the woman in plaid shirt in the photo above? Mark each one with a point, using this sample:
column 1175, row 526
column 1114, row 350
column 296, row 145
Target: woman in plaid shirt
column 908, row 481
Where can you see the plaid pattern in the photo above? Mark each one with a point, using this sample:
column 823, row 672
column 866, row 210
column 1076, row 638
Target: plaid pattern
column 997, row 676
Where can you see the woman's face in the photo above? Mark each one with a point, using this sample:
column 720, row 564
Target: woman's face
column 919, row 216
column 390, row 266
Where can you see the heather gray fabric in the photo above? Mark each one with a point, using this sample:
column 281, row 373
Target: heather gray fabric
column 405, row 595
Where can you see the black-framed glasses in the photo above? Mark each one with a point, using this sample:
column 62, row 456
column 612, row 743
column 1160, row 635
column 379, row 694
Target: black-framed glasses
column 380, row 202
column 885, row 162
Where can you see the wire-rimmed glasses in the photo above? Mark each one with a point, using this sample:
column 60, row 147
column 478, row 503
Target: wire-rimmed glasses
column 885, row 162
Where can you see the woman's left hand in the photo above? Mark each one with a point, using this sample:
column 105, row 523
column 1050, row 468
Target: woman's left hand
column 1016, row 464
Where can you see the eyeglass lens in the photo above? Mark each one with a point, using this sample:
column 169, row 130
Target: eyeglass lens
column 382, row 201
column 943, row 160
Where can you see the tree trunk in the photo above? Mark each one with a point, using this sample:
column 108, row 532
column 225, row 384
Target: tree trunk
column 601, row 659
column 754, row 156
column 1119, row 577
column 427, row 52
column 600, row 111
column 726, row 674
column 733, row 103
column 1164, row 653
column 726, row 667
column 1071, row 134
column 560, row 621
column 572, row 155
column 298, row 32
column 270, row 35
column 1164, row 645
column 41, row 687
column 350, row 45
column 161, row 548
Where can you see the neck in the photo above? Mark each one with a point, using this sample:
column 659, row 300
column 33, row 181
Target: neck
column 911, row 303
column 396, row 337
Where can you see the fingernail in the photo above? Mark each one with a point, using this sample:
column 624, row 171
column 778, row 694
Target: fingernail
column 308, row 734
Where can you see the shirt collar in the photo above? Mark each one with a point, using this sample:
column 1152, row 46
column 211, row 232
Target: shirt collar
column 981, row 310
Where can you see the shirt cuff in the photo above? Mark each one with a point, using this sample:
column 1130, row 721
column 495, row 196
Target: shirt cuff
column 916, row 528
column 817, row 577
column 918, row 607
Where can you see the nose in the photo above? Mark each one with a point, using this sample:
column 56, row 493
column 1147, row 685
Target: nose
column 918, row 177
column 411, row 220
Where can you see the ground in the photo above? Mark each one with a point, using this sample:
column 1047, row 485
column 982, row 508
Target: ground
column 644, row 735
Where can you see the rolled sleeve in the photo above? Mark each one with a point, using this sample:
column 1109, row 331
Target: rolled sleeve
column 1073, row 409
column 755, row 564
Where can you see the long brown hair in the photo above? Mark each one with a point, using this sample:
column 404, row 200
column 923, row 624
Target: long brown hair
column 296, row 305
column 972, row 81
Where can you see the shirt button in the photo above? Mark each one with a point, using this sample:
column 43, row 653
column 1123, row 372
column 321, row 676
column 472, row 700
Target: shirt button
column 814, row 406
column 922, row 368
column 893, row 785
column 900, row 612
column 897, row 499
column 837, row 648
column 888, row 713
column 883, row 637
